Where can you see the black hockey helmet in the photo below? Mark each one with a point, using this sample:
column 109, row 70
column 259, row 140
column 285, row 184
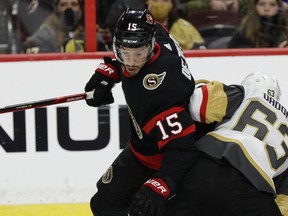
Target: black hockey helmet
column 134, row 29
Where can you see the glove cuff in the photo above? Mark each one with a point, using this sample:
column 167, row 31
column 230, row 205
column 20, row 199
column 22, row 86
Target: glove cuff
column 159, row 186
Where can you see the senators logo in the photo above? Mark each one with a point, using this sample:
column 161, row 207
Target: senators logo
column 153, row 81
column 108, row 175
column 149, row 19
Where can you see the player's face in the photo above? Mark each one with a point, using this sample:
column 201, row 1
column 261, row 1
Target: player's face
column 134, row 58
column 267, row 8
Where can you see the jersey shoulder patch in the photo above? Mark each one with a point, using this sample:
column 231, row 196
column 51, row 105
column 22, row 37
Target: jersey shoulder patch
column 153, row 81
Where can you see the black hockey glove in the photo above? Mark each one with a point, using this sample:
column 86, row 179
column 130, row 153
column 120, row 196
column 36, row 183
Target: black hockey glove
column 102, row 82
column 151, row 199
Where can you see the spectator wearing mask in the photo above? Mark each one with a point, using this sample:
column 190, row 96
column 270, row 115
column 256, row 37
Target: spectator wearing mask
column 62, row 31
column 167, row 13
column 265, row 25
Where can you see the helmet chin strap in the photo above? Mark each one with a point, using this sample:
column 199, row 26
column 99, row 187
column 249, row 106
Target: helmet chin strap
column 150, row 55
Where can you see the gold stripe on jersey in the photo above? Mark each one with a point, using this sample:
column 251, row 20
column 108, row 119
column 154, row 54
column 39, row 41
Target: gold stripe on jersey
column 201, row 81
column 282, row 202
column 217, row 102
column 247, row 155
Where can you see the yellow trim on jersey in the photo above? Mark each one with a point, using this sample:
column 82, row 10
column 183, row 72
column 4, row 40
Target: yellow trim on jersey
column 282, row 202
column 201, row 81
column 82, row 209
column 217, row 102
column 248, row 156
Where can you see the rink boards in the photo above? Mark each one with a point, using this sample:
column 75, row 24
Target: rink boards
column 57, row 153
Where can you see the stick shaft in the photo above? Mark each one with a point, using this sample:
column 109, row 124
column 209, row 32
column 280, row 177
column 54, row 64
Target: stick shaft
column 45, row 102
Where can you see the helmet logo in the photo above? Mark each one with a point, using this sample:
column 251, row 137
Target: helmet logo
column 149, row 19
column 130, row 41
column 132, row 27
column 153, row 81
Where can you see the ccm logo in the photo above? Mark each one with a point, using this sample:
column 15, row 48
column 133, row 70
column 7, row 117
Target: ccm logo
column 130, row 41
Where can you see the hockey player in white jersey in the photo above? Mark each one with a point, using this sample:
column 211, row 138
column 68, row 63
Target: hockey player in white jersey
column 243, row 168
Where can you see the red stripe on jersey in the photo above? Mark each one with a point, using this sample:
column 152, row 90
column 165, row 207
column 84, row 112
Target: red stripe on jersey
column 152, row 162
column 157, row 51
column 203, row 107
column 151, row 124
column 185, row 132
column 163, row 26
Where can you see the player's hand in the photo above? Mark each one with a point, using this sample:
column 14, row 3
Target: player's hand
column 151, row 199
column 102, row 82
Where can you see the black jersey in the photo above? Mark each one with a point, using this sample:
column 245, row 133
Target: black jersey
column 157, row 99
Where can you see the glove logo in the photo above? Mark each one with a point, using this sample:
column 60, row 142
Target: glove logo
column 157, row 185
column 153, row 81
column 105, row 68
column 108, row 176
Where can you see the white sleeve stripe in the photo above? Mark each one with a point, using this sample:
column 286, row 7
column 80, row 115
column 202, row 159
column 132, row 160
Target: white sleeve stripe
column 195, row 104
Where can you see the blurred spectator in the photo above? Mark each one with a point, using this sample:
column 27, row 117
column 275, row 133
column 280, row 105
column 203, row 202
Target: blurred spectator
column 265, row 25
column 285, row 4
column 216, row 20
column 224, row 5
column 104, row 35
column 6, row 33
column 102, row 9
column 217, row 5
column 108, row 11
column 32, row 13
column 194, row 5
column 243, row 8
column 166, row 12
column 62, row 31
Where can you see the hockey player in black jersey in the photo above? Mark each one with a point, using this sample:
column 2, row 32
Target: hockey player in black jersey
column 157, row 85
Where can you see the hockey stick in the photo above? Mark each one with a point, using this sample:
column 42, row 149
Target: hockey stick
column 46, row 102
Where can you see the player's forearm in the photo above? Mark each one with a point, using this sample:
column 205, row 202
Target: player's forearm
column 178, row 161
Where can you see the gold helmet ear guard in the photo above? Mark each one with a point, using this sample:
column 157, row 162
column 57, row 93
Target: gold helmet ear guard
column 202, row 81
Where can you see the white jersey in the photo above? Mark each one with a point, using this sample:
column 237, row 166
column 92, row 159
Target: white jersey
column 254, row 139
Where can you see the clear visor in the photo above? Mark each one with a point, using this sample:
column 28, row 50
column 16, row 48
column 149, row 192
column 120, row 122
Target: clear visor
column 133, row 56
